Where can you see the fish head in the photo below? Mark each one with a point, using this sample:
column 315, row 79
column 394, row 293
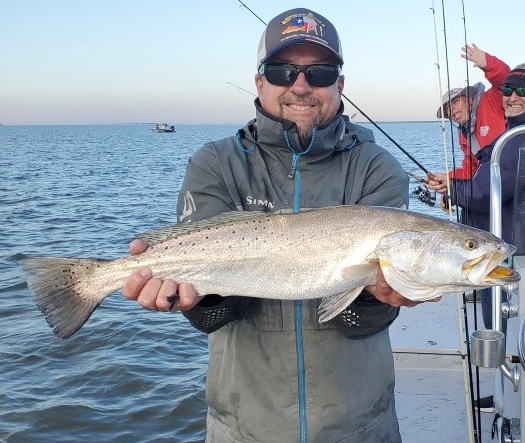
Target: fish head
column 422, row 265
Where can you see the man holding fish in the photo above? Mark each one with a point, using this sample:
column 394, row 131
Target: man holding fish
column 275, row 373
column 281, row 257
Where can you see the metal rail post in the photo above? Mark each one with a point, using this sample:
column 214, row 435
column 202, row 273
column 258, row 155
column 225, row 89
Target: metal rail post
column 495, row 228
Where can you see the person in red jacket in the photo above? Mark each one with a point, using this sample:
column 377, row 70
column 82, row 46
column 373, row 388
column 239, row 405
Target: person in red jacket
column 478, row 113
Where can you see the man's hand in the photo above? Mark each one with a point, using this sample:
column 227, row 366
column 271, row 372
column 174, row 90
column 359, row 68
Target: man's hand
column 153, row 293
column 383, row 292
column 474, row 54
column 437, row 181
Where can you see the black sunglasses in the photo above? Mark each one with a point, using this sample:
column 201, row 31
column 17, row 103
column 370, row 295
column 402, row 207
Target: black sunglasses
column 507, row 91
column 285, row 74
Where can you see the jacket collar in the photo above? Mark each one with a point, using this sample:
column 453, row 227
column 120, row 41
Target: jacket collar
column 517, row 120
column 335, row 135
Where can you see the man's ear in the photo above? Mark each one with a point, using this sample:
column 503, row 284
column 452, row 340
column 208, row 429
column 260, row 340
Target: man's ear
column 258, row 82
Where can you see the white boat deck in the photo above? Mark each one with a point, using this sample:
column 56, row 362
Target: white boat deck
column 430, row 393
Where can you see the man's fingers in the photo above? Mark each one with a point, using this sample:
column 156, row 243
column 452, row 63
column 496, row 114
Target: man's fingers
column 188, row 297
column 148, row 296
column 168, row 289
column 135, row 282
column 138, row 246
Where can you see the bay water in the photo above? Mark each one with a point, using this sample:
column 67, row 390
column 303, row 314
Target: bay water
column 129, row 375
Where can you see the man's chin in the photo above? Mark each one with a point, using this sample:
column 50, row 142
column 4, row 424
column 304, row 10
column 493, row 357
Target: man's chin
column 509, row 112
column 305, row 131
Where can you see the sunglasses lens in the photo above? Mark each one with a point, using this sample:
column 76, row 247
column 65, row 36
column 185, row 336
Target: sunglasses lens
column 507, row 91
column 316, row 75
column 322, row 76
column 280, row 75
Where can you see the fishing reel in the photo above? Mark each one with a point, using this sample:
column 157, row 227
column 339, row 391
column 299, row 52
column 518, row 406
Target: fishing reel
column 424, row 195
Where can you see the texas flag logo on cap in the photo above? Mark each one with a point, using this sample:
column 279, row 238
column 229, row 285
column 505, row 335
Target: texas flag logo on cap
column 303, row 23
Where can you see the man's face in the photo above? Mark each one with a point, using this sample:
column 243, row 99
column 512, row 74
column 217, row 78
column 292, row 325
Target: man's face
column 307, row 106
column 459, row 109
column 513, row 105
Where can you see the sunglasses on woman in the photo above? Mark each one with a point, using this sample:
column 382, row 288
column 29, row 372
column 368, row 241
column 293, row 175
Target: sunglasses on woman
column 285, row 74
column 507, row 91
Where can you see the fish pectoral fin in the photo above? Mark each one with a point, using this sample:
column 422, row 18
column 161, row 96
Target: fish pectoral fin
column 334, row 304
column 360, row 275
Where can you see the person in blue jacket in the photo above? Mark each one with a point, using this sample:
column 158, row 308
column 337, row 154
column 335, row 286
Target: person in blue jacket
column 477, row 202
column 473, row 196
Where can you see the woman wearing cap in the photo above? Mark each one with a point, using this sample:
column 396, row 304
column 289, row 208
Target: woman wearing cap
column 478, row 113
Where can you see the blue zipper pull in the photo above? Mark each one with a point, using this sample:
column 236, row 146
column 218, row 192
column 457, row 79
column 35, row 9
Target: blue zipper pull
column 295, row 160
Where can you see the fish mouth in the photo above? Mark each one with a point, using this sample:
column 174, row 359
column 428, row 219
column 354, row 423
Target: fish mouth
column 487, row 269
column 502, row 275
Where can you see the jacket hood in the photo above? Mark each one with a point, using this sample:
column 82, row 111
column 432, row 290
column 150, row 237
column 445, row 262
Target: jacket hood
column 335, row 135
column 470, row 125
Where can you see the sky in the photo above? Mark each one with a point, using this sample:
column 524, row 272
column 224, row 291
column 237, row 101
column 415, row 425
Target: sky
column 192, row 62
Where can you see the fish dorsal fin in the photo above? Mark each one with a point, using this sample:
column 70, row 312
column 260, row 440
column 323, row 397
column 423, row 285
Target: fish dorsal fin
column 160, row 235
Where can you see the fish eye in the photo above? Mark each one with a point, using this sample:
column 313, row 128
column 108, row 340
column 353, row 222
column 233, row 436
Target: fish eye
column 471, row 244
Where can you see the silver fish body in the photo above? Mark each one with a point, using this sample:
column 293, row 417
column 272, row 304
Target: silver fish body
column 330, row 253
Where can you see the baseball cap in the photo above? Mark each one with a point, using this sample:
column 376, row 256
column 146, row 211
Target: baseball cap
column 299, row 25
column 516, row 77
column 469, row 91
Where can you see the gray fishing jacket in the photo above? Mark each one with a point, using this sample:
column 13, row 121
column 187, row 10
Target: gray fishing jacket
column 275, row 373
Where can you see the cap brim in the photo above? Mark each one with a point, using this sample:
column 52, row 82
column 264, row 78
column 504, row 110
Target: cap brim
column 303, row 41
column 469, row 91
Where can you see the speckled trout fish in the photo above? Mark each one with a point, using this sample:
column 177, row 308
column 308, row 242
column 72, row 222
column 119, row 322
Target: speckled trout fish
column 330, row 253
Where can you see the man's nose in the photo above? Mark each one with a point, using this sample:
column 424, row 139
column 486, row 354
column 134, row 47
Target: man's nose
column 300, row 84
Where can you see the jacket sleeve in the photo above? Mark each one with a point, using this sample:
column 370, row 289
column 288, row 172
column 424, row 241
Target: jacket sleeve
column 366, row 316
column 475, row 193
column 496, row 72
column 469, row 164
column 203, row 195
column 386, row 184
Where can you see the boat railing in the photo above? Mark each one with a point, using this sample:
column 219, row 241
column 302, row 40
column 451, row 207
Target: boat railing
column 489, row 346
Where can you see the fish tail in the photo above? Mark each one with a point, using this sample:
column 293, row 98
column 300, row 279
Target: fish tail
column 66, row 290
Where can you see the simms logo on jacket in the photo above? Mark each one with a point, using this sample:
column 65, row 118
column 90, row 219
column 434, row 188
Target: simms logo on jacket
column 253, row 201
column 189, row 208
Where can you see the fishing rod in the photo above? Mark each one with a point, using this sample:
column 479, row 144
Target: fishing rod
column 468, row 220
column 253, row 13
column 468, row 210
column 242, row 89
column 473, row 425
column 450, row 119
column 416, row 177
column 386, row 135
column 440, row 94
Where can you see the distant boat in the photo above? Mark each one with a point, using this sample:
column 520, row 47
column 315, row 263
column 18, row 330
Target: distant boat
column 163, row 127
